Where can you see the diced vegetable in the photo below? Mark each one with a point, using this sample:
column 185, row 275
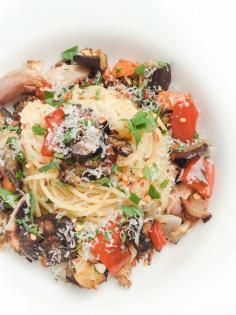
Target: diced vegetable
column 7, row 184
column 157, row 236
column 55, row 118
column 199, row 174
column 110, row 252
column 168, row 99
column 184, row 119
column 45, row 151
column 52, row 121
column 124, row 68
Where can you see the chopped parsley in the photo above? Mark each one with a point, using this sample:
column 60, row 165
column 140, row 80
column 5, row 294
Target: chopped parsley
column 20, row 158
column 11, row 141
column 9, row 199
column 69, row 53
column 134, row 198
column 141, row 121
column 150, row 173
column 37, row 130
column 104, row 181
column 164, row 183
column 131, row 211
column 31, row 228
column 139, row 70
column 49, row 98
column 153, row 193
column 118, row 69
column 49, row 166
column 33, row 206
column 67, row 136
column 59, row 155
column 196, row 135
column 13, row 128
column 162, row 64
column 99, row 79
column 97, row 95
column 115, row 168
column 19, row 174
column 108, row 235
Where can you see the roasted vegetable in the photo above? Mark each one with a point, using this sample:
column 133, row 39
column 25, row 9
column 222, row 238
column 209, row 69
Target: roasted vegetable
column 161, row 77
column 85, row 274
column 157, row 236
column 110, row 252
column 199, row 174
column 196, row 207
column 95, row 60
column 180, row 157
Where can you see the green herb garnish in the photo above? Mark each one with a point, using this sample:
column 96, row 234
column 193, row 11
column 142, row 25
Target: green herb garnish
column 108, row 235
column 104, row 181
column 141, row 121
column 131, row 211
column 97, row 95
column 19, row 174
column 134, row 198
column 37, row 130
column 164, row 183
column 59, row 155
column 162, row 64
column 32, row 206
column 49, row 166
column 49, row 98
column 31, row 228
column 150, row 173
column 67, row 136
column 196, row 135
column 69, row 53
column 115, row 168
column 153, row 193
column 11, row 141
column 9, row 199
column 13, row 128
column 139, row 70
column 21, row 158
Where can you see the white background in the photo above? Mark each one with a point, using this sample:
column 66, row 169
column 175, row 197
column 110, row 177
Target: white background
column 198, row 37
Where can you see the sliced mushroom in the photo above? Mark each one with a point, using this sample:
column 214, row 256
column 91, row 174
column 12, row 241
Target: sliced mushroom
column 121, row 146
column 181, row 230
column 196, row 207
column 85, row 274
column 161, row 77
column 179, row 191
column 95, row 60
column 189, row 152
column 170, row 223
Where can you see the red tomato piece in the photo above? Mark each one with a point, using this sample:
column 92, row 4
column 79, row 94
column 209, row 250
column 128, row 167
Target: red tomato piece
column 168, row 99
column 157, row 236
column 184, row 119
column 123, row 68
column 55, row 118
column 45, row 149
column 110, row 252
column 199, row 174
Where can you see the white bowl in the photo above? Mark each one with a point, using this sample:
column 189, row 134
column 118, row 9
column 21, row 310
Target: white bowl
column 197, row 37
